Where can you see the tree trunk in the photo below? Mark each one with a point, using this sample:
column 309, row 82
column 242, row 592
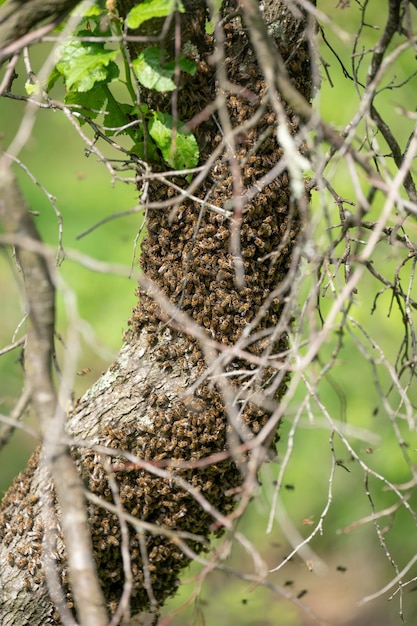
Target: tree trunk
column 166, row 404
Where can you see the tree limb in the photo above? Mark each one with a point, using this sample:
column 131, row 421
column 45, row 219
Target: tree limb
column 19, row 17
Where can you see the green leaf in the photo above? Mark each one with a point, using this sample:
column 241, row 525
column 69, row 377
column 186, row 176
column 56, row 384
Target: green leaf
column 94, row 101
column 32, row 88
column 147, row 151
column 100, row 101
column 187, row 65
column 93, row 10
column 83, row 65
column 153, row 74
column 117, row 116
column 149, row 9
column 53, row 77
column 150, row 73
column 140, row 109
column 179, row 148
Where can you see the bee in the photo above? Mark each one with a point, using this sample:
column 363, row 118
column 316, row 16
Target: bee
column 224, row 299
column 113, row 541
column 112, row 607
column 38, row 579
column 265, row 230
column 269, row 118
column 21, row 563
column 209, row 230
column 84, row 371
column 197, row 300
column 245, row 307
column 251, row 173
column 259, row 243
column 224, row 324
column 162, row 400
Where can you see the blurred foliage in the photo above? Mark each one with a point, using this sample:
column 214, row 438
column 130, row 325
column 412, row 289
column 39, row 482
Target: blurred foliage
column 353, row 563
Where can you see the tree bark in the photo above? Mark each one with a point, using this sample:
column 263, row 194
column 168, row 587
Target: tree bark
column 165, row 406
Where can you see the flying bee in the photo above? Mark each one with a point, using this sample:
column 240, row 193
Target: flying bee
column 84, row 371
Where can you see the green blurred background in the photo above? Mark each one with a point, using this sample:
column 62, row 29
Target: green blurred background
column 348, row 566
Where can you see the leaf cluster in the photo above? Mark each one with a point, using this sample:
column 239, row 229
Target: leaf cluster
column 90, row 68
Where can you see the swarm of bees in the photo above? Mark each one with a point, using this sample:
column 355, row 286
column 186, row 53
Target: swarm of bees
column 188, row 255
column 193, row 247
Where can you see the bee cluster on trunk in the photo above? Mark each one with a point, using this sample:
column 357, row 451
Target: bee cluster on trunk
column 188, row 253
